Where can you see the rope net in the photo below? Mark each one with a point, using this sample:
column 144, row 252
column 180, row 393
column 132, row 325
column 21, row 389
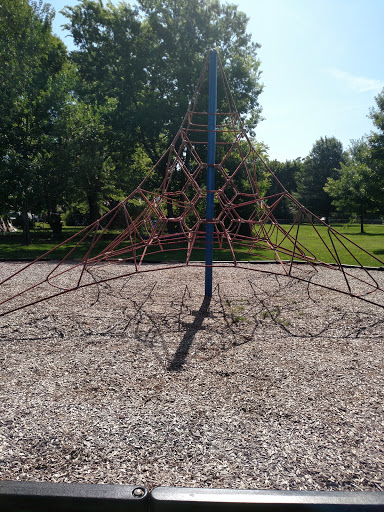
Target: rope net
column 168, row 223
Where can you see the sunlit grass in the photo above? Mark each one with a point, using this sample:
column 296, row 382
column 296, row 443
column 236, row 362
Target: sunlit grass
column 303, row 239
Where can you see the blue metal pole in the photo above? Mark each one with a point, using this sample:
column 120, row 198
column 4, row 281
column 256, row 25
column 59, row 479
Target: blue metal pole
column 212, row 108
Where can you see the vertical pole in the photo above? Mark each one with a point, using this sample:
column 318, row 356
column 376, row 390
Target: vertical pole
column 212, row 108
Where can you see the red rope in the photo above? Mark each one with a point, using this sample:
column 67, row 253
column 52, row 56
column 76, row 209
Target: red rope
column 172, row 218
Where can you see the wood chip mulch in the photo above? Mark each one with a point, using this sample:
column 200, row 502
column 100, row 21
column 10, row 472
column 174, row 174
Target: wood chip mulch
column 271, row 385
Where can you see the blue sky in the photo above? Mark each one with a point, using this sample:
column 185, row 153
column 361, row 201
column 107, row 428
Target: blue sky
column 322, row 65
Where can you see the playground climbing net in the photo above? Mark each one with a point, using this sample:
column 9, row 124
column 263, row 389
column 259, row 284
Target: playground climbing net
column 168, row 223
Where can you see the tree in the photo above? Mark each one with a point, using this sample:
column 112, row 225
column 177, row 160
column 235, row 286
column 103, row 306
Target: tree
column 88, row 155
column 377, row 116
column 322, row 163
column 353, row 191
column 181, row 34
column 376, row 145
column 32, row 59
column 149, row 58
column 286, row 173
column 359, row 188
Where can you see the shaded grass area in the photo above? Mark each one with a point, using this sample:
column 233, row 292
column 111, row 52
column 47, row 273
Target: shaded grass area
column 306, row 241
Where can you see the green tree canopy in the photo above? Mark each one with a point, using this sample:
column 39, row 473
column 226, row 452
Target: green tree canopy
column 88, row 155
column 359, row 188
column 376, row 144
column 286, row 173
column 149, row 59
column 353, row 191
column 85, row 130
column 322, row 163
column 377, row 114
column 32, row 63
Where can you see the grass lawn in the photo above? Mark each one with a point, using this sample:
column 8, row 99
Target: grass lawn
column 11, row 246
column 371, row 241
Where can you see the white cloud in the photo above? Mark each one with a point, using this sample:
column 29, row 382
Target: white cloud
column 357, row 83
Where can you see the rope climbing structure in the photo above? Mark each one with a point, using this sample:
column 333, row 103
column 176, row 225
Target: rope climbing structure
column 230, row 218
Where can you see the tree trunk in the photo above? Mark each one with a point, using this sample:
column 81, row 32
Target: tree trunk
column 54, row 220
column 171, row 226
column 94, row 212
column 361, row 224
column 245, row 229
column 26, row 229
